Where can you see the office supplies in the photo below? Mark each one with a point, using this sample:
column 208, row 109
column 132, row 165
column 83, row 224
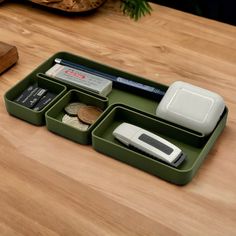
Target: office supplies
column 26, row 94
column 46, row 99
column 149, row 143
column 192, row 107
column 117, row 81
column 31, row 96
column 35, row 98
column 85, row 80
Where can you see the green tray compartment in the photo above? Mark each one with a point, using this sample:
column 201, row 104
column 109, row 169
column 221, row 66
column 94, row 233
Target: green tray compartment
column 104, row 142
column 54, row 116
column 27, row 114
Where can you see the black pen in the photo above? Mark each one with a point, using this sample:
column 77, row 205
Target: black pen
column 119, row 81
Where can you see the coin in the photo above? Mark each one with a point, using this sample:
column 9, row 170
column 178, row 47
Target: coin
column 89, row 114
column 73, row 108
column 74, row 122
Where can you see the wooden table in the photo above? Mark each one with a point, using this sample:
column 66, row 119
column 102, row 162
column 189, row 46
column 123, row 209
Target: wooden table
column 52, row 186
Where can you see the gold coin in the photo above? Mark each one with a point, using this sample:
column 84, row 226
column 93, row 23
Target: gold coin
column 89, row 114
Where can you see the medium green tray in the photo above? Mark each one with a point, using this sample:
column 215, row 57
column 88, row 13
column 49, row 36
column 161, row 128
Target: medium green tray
column 121, row 105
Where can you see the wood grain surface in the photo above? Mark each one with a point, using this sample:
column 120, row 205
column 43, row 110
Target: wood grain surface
column 52, row 186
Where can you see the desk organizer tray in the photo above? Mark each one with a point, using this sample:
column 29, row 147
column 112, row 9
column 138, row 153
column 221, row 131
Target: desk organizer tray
column 27, row 114
column 121, row 105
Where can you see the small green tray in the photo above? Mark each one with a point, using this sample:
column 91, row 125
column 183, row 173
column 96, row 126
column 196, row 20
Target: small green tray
column 119, row 106
column 27, row 114
column 54, row 116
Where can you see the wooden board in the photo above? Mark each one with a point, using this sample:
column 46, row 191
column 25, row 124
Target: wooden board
column 8, row 56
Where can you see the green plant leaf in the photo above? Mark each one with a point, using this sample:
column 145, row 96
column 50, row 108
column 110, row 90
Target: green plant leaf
column 135, row 9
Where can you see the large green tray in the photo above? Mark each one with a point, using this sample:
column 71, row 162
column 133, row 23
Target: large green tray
column 121, row 106
column 103, row 141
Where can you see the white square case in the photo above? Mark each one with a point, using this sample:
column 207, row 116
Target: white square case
column 192, row 107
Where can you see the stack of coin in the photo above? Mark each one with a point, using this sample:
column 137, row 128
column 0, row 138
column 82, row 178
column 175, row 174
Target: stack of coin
column 80, row 115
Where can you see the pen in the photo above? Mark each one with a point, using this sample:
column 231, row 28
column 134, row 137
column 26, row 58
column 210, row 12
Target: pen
column 119, row 81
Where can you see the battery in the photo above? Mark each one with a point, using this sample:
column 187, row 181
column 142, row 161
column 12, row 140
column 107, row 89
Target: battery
column 91, row 82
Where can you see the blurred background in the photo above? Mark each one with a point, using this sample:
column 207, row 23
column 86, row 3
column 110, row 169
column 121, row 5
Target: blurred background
column 220, row 10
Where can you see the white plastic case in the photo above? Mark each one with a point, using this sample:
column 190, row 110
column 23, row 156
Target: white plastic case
column 192, row 107
column 149, row 143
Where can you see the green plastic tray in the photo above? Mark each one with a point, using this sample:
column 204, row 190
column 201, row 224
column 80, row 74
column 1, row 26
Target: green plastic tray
column 27, row 114
column 120, row 105
column 54, row 116
column 104, row 142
